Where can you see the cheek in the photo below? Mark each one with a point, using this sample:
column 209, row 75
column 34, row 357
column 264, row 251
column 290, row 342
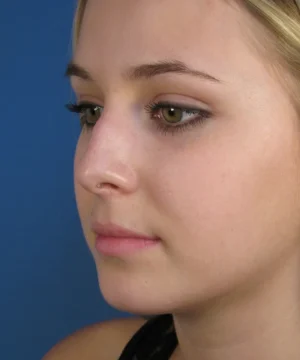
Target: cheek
column 207, row 192
column 84, row 198
column 79, row 193
column 227, row 202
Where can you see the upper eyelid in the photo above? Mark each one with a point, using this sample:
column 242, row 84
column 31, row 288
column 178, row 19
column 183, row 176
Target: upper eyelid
column 157, row 104
column 77, row 107
column 88, row 103
column 81, row 105
column 177, row 106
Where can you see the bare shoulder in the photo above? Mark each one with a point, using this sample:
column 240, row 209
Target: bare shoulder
column 103, row 341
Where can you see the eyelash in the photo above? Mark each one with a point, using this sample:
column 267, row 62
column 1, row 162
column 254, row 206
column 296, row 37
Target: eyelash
column 79, row 109
column 152, row 109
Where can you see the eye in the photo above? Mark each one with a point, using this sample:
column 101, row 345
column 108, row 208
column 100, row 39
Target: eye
column 171, row 118
column 89, row 113
column 174, row 115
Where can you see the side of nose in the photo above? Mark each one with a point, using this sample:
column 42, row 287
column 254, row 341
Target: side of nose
column 104, row 160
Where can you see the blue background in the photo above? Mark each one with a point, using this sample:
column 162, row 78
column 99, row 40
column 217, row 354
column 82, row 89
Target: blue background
column 49, row 287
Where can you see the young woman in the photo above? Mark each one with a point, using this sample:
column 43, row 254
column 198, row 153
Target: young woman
column 187, row 177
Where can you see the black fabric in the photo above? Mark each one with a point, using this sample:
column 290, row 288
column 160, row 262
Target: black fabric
column 155, row 340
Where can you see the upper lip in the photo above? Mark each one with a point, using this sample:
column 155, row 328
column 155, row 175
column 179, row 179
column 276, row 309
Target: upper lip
column 113, row 230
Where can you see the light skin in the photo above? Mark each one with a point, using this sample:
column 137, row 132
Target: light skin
column 222, row 195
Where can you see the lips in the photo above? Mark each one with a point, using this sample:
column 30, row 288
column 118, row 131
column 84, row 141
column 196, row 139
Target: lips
column 117, row 241
column 116, row 231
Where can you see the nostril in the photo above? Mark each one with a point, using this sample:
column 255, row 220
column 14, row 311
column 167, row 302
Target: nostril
column 106, row 185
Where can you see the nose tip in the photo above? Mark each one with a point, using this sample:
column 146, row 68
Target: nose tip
column 105, row 180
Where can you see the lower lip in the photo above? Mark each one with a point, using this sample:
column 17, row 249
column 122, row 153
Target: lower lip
column 118, row 246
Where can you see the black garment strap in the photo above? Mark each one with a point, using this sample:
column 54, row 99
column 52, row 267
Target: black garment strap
column 155, row 340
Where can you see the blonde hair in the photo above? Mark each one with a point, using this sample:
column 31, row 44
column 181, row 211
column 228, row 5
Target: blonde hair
column 281, row 20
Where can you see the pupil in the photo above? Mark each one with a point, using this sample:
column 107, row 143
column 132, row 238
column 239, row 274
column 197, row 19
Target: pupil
column 172, row 112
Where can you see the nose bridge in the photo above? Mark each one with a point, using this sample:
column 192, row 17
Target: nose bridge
column 107, row 160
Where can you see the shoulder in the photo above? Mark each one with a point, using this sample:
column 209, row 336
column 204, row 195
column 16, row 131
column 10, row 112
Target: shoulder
column 103, row 341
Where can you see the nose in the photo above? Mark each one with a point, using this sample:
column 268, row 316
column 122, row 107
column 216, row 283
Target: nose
column 104, row 160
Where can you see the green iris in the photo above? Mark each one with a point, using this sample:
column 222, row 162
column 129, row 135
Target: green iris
column 172, row 115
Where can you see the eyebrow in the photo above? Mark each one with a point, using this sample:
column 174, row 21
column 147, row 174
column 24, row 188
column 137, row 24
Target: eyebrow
column 145, row 71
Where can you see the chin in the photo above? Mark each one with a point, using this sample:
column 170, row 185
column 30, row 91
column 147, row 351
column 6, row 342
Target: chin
column 138, row 299
column 149, row 301
column 134, row 302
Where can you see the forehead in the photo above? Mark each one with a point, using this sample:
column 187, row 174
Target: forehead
column 210, row 33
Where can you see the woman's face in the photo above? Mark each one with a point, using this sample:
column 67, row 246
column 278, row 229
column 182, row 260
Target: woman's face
column 219, row 185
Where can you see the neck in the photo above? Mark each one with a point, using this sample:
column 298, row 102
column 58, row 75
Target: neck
column 265, row 325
